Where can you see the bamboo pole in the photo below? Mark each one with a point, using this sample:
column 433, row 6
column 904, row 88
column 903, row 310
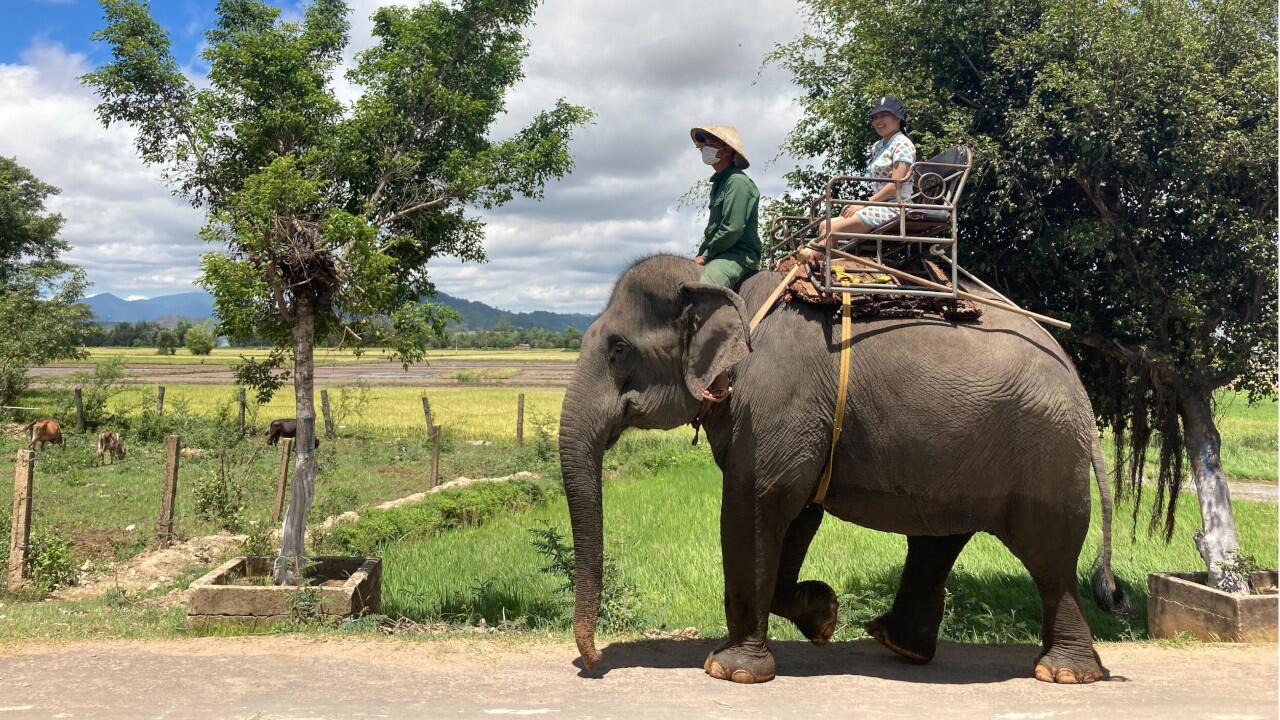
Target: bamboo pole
column 943, row 288
column 282, row 478
column 773, row 297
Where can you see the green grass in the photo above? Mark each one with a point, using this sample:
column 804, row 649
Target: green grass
column 662, row 529
column 95, row 505
column 324, row 356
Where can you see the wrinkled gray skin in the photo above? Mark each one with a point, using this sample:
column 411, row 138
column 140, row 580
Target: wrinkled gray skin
column 950, row 430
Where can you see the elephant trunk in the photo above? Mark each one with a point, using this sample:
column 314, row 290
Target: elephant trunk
column 584, row 433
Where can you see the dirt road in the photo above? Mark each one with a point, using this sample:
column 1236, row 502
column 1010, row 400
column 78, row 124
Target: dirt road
column 274, row 678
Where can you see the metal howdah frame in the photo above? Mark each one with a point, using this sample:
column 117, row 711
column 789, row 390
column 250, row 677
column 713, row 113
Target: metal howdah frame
column 794, row 232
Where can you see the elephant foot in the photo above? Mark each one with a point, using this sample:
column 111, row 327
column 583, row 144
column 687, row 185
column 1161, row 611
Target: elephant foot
column 914, row 644
column 1065, row 671
column 741, row 664
column 815, row 611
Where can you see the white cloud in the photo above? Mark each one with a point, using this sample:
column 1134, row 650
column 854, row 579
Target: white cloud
column 649, row 70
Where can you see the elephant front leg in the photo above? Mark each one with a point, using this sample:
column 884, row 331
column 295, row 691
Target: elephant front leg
column 812, row 604
column 751, row 536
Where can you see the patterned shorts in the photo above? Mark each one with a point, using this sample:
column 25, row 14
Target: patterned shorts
column 874, row 217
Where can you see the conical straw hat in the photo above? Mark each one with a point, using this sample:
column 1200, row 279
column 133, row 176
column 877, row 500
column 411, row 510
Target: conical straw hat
column 727, row 134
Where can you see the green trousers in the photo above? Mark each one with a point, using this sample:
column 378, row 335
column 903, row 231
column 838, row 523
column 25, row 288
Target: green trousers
column 724, row 272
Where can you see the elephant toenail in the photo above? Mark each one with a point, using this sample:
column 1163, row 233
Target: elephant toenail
column 743, row 676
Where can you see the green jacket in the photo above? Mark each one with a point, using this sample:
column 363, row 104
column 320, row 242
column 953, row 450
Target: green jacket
column 732, row 230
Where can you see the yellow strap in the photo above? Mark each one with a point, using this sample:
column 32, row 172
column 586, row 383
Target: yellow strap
column 846, row 343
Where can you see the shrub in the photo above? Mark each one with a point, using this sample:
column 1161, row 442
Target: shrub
column 619, row 605
column 468, row 506
column 166, row 343
column 51, row 561
column 220, row 498
column 257, row 539
column 199, row 341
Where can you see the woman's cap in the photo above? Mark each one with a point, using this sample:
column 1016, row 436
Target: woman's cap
column 726, row 134
column 889, row 104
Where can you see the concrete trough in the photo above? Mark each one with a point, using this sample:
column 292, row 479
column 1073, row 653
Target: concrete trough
column 1182, row 603
column 238, row 591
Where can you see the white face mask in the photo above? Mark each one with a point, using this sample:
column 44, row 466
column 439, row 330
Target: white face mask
column 710, row 155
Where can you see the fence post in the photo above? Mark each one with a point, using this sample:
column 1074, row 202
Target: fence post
column 169, row 496
column 520, row 420
column 20, row 525
column 328, row 420
column 282, row 478
column 159, row 400
column 426, row 414
column 80, row 409
column 435, row 456
column 241, row 419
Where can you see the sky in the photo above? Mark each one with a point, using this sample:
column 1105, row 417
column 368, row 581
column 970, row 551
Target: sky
column 650, row 70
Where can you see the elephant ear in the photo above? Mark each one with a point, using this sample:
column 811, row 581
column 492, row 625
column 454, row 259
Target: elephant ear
column 716, row 319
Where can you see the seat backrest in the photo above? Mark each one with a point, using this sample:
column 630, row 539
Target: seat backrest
column 935, row 182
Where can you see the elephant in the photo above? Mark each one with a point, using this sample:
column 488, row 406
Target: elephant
column 951, row 429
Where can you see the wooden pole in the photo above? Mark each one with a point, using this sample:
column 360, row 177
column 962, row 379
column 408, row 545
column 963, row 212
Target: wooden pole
column 328, row 419
column 426, row 414
column 282, row 478
column 240, row 421
column 20, row 521
column 435, row 456
column 959, row 293
column 520, row 420
column 169, row 496
column 80, row 409
column 159, row 400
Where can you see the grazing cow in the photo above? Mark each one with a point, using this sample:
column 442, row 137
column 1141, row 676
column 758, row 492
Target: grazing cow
column 284, row 427
column 45, row 431
column 109, row 445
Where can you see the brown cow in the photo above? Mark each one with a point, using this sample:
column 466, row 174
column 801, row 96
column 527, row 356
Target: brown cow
column 109, row 445
column 45, row 431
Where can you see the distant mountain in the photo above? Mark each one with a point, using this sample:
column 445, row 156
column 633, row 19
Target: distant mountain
column 193, row 305
column 478, row 316
column 167, row 309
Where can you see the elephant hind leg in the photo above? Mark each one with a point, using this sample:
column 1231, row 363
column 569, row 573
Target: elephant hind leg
column 1067, row 655
column 811, row 604
column 910, row 628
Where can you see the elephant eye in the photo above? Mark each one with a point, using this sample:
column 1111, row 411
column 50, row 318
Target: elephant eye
column 618, row 346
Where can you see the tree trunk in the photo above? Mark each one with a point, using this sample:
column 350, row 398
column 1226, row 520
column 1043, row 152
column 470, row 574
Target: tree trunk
column 288, row 567
column 1218, row 542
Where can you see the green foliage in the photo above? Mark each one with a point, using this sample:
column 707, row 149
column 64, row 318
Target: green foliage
column 328, row 214
column 1125, row 173
column 257, row 539
column 39, row 293
column 220, row 495
column 51, row 560
column 167, row 343
column 620, row 610
column 334, row 500
column 264, row 376
column 199, row 341
column 304, row 606
column 467, row 506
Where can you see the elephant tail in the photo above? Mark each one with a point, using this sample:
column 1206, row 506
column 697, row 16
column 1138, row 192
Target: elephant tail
column 1107, row 591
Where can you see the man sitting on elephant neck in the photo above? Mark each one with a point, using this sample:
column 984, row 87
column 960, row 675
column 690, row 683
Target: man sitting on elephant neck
column 730, row 248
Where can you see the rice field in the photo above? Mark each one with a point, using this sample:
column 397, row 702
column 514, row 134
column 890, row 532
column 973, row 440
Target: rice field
column 468, row 413
column 324, row 356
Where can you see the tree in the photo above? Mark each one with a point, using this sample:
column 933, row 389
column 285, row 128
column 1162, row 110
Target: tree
column 1126, row 181
column 166, row 342
column 328, row 214
column 39, row 293
column 199, row 340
